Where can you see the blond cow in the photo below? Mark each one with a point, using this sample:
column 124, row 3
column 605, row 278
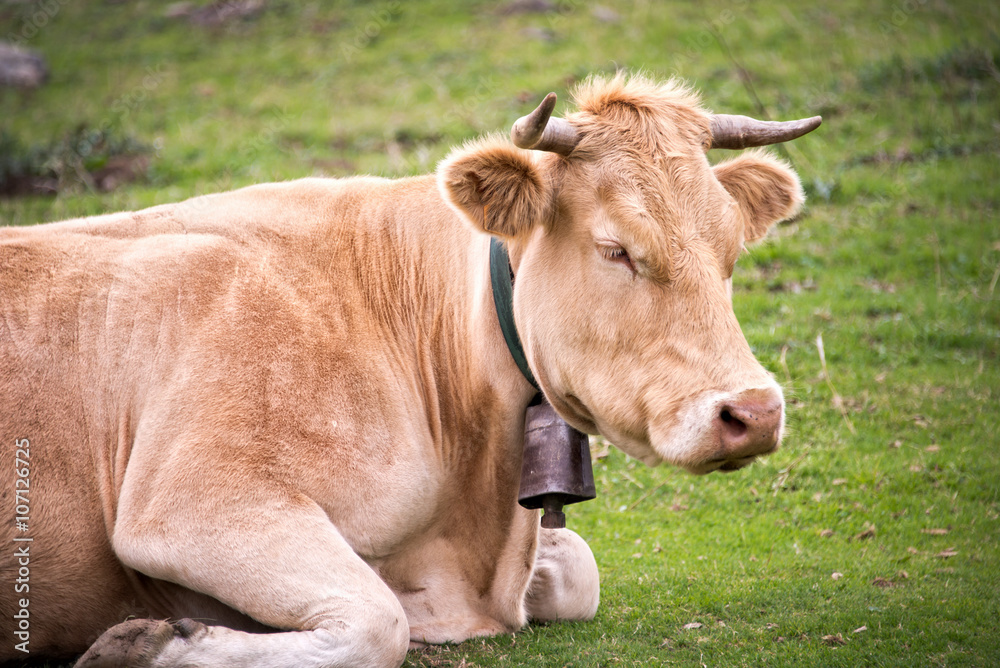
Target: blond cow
column 291, row 407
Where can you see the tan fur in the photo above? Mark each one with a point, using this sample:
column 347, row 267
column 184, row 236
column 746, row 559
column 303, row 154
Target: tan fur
column 291, row 405
column 765, row 188
column 496, row 185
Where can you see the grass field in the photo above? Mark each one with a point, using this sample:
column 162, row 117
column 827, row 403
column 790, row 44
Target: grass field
column 873, row 537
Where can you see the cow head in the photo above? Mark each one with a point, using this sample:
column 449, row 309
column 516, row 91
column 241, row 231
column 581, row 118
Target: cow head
column 623, row 240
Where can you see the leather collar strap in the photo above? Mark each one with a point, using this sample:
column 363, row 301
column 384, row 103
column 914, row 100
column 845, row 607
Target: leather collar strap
column 502, row 279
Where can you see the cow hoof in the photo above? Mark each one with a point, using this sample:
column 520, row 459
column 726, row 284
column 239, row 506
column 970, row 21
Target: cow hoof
column 135, row 643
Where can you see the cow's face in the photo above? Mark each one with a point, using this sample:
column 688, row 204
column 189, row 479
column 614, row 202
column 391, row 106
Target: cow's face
column 623, row 253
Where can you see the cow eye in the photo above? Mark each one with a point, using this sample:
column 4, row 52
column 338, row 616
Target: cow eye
column 616, row 253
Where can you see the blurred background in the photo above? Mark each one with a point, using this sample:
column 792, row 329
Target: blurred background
column 871, row 537
column 221, row 94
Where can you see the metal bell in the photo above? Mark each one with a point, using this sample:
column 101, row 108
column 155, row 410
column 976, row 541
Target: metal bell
column 556, row 468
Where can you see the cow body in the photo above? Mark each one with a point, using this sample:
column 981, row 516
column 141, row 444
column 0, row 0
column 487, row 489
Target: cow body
column 291, row 406
column 252, row 328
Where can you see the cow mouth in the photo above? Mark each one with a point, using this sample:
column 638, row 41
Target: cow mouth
column 736, row 464
column 724, row 465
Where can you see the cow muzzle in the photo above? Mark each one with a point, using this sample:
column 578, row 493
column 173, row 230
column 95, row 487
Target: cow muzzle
column 745, row 427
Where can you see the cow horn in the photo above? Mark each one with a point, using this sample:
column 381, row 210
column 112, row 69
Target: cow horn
column 738, row 132
column 539, row 131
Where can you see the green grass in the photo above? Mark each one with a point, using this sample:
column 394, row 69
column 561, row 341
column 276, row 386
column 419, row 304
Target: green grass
column 891, row 463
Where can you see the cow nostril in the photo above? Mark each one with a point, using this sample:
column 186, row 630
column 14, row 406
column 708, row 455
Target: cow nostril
column 734, row 427
column 750, row 425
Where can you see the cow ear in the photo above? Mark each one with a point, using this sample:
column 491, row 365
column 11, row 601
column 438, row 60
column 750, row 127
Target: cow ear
column 765, row 188
column 496, row 186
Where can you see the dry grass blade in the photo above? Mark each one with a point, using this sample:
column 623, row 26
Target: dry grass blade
column 645, row 496
column 784, row 363
column 838, row 401
column 778, row 482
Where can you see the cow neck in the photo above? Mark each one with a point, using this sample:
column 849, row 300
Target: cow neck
column 502, row 280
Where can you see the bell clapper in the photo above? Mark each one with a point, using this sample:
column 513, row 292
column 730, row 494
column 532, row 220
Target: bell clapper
column 552, row 515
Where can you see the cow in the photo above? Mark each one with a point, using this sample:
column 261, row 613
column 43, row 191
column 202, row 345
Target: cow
column 281, row 426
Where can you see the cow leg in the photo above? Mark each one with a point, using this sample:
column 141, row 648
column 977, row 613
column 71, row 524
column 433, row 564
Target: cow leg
column 286, row 566
column 149, row 643
column 565, row 584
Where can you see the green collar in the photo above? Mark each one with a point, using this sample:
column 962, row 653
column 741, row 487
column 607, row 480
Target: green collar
column 501, row 277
